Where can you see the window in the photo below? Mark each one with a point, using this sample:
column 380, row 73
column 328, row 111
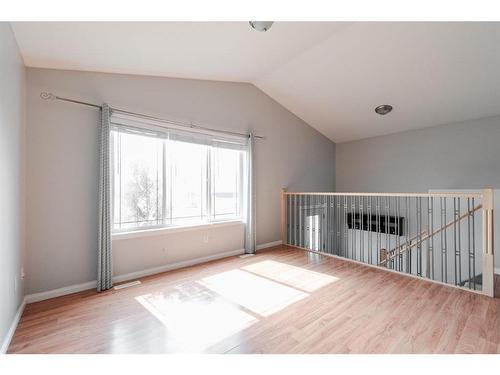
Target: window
column 171, row 178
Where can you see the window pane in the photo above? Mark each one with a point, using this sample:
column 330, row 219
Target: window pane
column 188, row 181
column 226, row 189
column 161, row 182
column 138, row 165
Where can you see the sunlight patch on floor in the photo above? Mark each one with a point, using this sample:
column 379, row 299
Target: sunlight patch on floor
column 196, row 324
column 296, row 277
column 259, row 295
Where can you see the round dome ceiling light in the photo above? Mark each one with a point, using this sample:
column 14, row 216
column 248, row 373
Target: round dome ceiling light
column 383, row 109
column 261, row 25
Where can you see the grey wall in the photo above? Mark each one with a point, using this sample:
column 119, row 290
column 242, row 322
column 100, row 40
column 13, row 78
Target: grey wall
column 62, row 164
column 456, row 156
column 12, row 88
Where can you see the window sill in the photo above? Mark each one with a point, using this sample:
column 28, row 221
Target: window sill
column 169, row 230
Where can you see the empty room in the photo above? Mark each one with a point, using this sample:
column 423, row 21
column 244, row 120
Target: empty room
column 249, row 187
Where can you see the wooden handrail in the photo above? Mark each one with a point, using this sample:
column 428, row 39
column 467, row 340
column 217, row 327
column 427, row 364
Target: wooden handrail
column 405, row 247
column 412, row 195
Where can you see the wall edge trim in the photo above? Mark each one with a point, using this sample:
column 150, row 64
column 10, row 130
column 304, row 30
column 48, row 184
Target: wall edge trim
column 13, row 327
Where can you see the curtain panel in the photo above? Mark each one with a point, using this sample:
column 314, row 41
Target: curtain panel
column 104, row 254
column 250, row 199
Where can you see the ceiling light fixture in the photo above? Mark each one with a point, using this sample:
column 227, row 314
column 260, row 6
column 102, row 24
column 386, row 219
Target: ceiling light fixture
column 261, row 25
column 383, row 109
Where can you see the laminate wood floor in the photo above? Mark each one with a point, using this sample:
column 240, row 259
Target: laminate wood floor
column 282, row 300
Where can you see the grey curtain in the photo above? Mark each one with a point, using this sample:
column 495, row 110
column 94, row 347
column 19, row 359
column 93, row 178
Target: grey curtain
column 250, row 198
column 104, row 265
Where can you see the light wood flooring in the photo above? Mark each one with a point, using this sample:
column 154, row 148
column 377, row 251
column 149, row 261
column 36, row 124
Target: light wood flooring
column 282, row 300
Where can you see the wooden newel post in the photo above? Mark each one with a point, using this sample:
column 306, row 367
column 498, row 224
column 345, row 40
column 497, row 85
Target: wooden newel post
column 488, row 241
column 283, row 215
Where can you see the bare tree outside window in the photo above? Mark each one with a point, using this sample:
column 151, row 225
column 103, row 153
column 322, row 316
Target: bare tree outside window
column 158, row 181
column 141, row 197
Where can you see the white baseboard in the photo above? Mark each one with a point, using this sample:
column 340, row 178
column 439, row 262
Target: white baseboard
column 135, row 275
column 173, row 266
column 30, row 298
column 12, row 328
column 268, row 245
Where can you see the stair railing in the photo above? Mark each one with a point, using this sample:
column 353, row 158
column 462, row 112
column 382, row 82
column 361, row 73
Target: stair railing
column 442, row 237
column 423, row 236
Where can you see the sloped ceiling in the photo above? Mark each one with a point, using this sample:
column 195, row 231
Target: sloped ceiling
column 332, row 75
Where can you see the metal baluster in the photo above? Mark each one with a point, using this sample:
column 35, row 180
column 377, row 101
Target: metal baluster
column 333, row 226
column 333, row 240
column 369, row 227
column 332, row 229
column 309, row 223
column 445, row 244
column 319, row 205
column 318, row 215
column 459, row 240
column 352, row 225
column 402, row 232
column 317, row 223
column 300, row 221
column 290, row 219
column 327, row 227
column 306, row 222
column 287, row 215
column 418, row 203
column 387, row 229
column 338, row 239
column 294, row 199
column 379, row 242
column 430, row 239
column 473, row 246
column 455, row 248
column 398, row 238
column 469, row 247
column 362, row 231
column 406, row 235
column 303, row 220
column 324, row 215
column 296, row 233
column 444, row 265
column 313, row 222
column 353, row 233
column 345, row 250
column 287, row 226
column 409, row 250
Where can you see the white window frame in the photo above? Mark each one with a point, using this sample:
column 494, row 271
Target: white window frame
column 207, row 217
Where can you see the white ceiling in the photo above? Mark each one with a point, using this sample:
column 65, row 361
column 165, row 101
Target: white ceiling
column 332, row 75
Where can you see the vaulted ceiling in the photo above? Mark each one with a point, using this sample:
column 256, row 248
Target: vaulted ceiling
column 330, row 74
